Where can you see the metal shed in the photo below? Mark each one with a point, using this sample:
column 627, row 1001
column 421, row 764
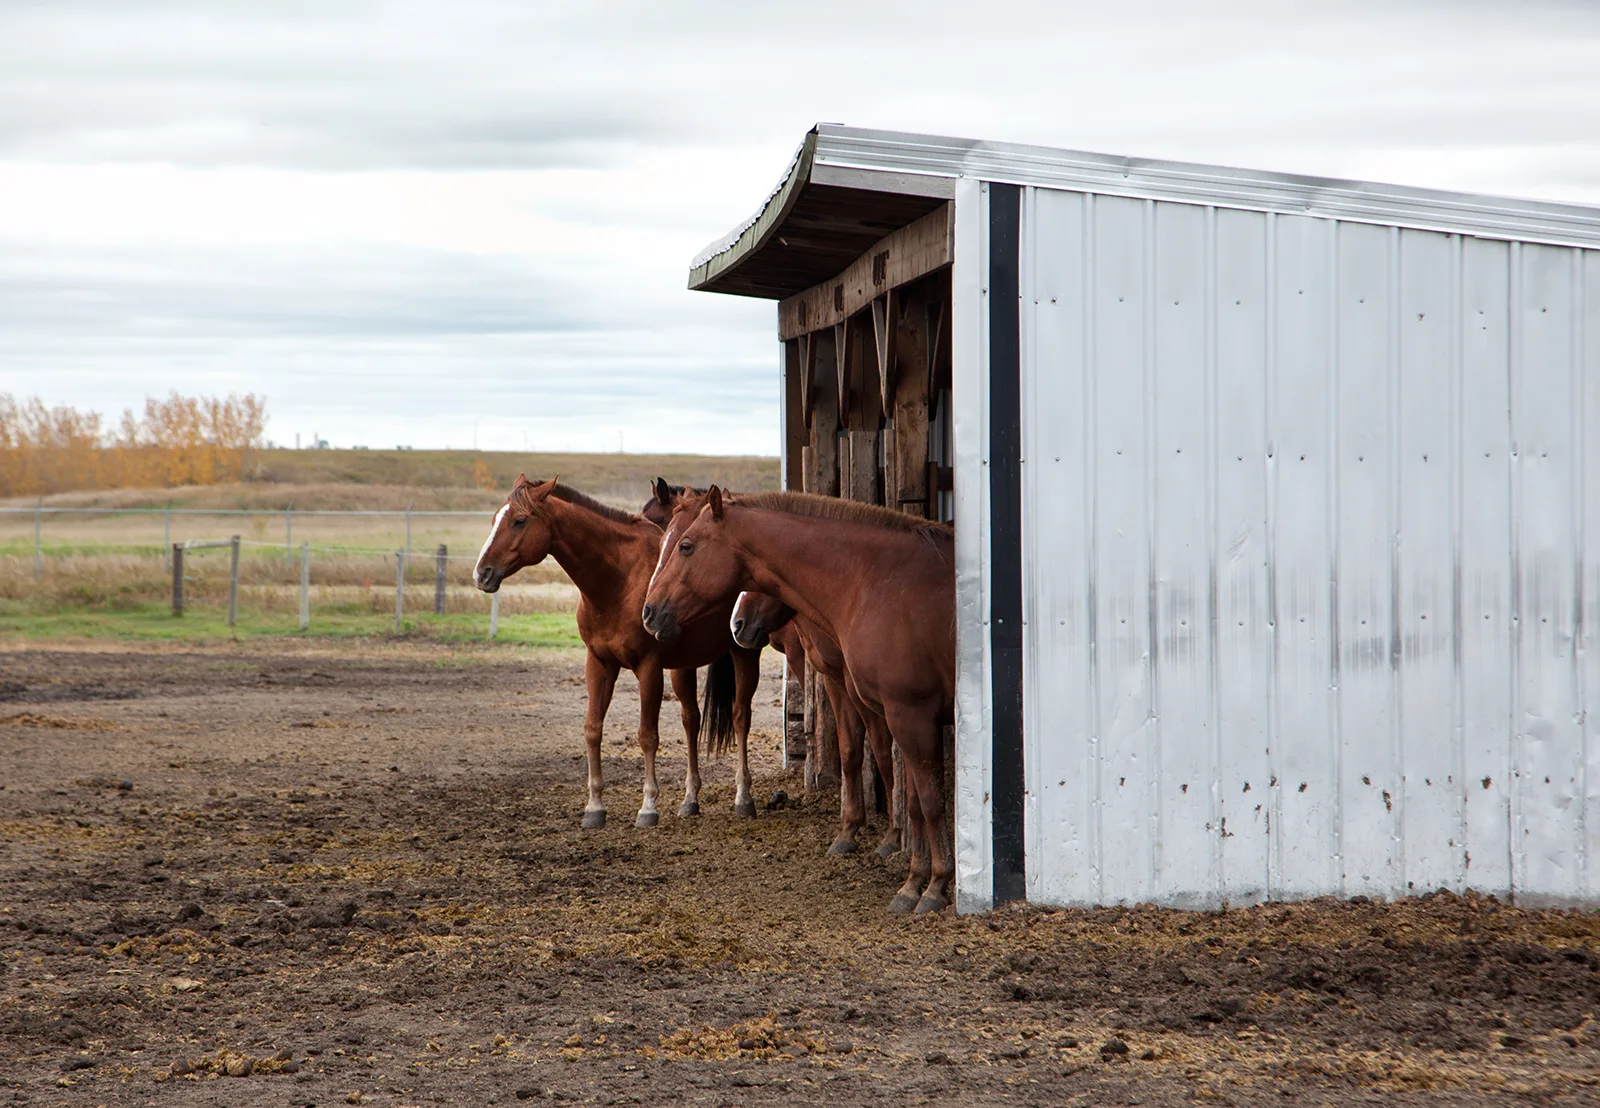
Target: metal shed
column 1277, row 504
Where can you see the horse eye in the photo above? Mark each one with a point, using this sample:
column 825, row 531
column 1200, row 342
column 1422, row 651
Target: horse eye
column 519, row 522
column 686, row 547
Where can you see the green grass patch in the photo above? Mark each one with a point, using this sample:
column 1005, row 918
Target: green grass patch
column 149, row 622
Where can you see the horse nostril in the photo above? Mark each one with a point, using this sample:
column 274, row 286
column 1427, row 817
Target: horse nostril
column 649, row 613
column 738, row 625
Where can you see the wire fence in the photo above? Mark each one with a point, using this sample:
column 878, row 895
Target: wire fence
column 335, row 567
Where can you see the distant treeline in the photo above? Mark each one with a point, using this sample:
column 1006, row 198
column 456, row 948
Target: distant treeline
column 179, row 440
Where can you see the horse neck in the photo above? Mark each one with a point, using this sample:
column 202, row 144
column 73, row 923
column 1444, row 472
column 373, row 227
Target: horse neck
column 804, row 561
column 599, row 554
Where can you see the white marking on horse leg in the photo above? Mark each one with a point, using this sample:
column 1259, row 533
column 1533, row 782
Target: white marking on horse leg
column 494, row 529
column 596, row 782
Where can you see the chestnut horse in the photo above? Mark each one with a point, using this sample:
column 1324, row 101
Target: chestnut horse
column 759, row 620
column 609, row 555
column 879, row 582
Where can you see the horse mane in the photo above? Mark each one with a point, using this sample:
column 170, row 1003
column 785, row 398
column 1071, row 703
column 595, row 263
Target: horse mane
column 588, row 503
column 847, row 511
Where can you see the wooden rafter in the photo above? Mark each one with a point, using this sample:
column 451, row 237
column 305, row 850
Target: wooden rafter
column 914, row 251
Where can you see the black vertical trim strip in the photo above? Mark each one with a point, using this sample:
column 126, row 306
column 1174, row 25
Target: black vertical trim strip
column 1005, row 538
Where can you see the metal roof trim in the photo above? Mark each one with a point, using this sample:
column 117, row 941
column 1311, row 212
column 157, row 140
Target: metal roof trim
column 1333, row 198
column 899, row 155
column 749, row 236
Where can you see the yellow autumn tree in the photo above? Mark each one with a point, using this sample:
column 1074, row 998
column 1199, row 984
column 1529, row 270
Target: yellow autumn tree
column 178, row 440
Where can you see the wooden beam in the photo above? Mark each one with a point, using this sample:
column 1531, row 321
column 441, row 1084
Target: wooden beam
column 822, row 454
column 885, row 309
column 914, row 251
column 906, row 484
column 860, row 401
column 795, row 415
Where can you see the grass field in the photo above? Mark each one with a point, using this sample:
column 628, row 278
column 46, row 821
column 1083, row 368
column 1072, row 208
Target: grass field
column 105, row 576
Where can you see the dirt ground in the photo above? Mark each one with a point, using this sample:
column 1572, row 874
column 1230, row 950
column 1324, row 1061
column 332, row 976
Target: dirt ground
column 326, row 874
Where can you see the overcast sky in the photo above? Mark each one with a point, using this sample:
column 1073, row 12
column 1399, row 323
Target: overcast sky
column 427, row 222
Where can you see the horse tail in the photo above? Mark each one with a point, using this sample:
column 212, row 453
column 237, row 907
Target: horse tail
column 716, row 708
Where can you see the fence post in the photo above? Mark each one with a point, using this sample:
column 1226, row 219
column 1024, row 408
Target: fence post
column 440, row 562
column 233, row 580
column 305, row 586
column 288, row 535
column 399, row 586
column 177, row 579
column 166, row 535
column 494, row 615
column 38, row 554
column 409, row 503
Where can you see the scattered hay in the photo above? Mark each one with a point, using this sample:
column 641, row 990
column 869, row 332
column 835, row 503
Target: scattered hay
column 762, row 1038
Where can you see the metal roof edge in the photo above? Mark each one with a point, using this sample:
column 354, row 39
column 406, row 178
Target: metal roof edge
column 1048, row 167
column 727, row 252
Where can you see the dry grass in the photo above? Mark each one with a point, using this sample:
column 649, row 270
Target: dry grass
column 428, row 479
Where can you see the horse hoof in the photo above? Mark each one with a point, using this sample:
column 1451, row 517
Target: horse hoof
column 931, row 903
column 594, row 820
column 843, row 846
column 689, row 808
column 888, row 850
column 746, row 809
column 647, row 819
column 903, row 904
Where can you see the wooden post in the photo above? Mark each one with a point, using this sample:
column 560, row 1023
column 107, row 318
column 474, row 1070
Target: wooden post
column 821, row 475
column 399, row 587
column 407, row 565
column 440, row 563
column 906, row 476
column 305, row 586
column 177, row 579
column 494, row 615
column 794, row 712
column 233, row 580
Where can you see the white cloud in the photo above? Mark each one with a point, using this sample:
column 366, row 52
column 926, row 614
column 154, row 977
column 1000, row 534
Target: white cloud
column 396, row 219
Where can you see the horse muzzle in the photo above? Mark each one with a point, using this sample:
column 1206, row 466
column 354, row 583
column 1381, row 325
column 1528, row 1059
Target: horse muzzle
column 748, row 633
column 488, row 579
column 661, row 621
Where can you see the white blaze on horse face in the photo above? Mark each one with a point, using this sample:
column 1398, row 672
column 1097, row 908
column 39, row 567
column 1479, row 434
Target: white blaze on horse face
column 661, row 560
column 494, row 529
column 733, row 618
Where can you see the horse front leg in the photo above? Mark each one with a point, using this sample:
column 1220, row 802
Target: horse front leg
column 649, row 674
column 684, row 688
column 601, row 679
column 847, row 726
column 746, row 675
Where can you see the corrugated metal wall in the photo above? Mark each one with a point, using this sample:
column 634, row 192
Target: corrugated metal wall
column 1311, row 542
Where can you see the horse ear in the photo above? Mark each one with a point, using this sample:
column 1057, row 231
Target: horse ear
column 663, row 492
column 522, row 479
column 715, row 499
column 544, row 490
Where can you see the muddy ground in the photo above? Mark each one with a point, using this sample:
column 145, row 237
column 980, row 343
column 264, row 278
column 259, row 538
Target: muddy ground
column 354, row 874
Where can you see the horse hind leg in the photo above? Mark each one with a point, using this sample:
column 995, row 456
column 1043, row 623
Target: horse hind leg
column 684, row 687
column 909, row 895
column 852, row 807
column 921, row 740
column 883, row 755
column 747, row 673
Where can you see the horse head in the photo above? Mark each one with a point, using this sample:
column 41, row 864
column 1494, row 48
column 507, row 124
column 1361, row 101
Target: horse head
column 520, row 535
column 697, row 570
